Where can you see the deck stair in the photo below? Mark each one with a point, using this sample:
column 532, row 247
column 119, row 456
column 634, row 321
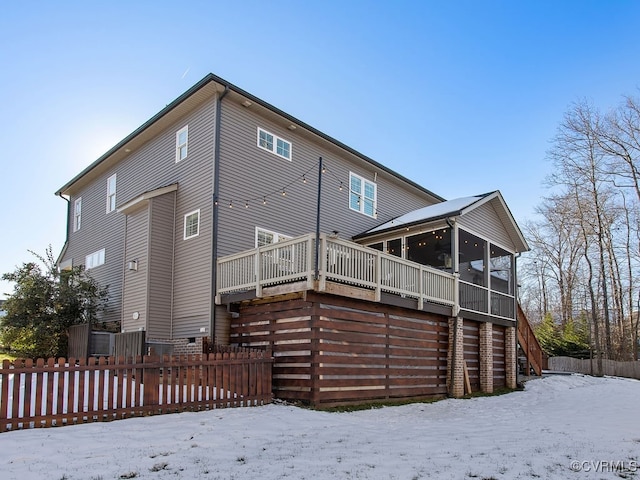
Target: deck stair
column 529, row 344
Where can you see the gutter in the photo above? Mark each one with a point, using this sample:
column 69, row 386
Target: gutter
column 215, row 220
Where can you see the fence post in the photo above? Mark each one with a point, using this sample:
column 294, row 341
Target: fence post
column 150, row 379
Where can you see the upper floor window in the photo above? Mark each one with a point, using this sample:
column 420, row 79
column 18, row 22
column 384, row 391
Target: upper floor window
column 274, row 144
column 182, row 141
column 111, row 193
column 94, row 259
column 192, row 224
column 77, row 214
column 362, row 195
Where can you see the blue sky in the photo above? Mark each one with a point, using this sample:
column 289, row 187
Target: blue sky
column 462, row 97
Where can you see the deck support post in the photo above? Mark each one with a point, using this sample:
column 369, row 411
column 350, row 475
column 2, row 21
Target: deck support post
column 510, row 357
column 486, row 357
column 455, row 358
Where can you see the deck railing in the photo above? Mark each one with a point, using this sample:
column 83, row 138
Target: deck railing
column 340, row 261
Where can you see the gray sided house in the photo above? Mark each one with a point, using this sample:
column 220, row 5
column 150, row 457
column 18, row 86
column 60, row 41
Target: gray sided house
column 225, row 217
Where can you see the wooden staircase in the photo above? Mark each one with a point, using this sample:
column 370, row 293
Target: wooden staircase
column 529, row 344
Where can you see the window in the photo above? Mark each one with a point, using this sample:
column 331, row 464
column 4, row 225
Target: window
column 182, row 141
column 362, row 195
column 274, row 144
column 94, row 259
column 266, row 237
column 111, row 193
column 192, row 224
column 77, row 214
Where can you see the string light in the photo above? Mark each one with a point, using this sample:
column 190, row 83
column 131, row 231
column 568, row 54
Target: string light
column 284, row 193
column 230, row 203
column 304, row 179
column 264, row 200
column 246, row 204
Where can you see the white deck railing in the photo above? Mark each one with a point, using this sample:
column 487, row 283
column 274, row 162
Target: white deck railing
column 339, row 261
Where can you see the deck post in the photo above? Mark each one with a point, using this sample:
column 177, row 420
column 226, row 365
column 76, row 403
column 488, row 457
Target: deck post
column 510, row 356
column 258, row 270
column 455, row 358
column 486, row 357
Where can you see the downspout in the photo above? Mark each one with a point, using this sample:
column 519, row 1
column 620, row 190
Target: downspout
column 214, row 206
column 66, row 239
column 516, row 296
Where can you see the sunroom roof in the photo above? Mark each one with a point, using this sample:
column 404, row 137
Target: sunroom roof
column 449, row 208
column 455, row 208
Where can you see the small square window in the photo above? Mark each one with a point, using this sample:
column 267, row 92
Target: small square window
column 182, row 142
column 284, row 149
column 192, row 224
column 266, row 140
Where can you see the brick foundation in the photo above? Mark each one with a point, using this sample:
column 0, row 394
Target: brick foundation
column 180, row 346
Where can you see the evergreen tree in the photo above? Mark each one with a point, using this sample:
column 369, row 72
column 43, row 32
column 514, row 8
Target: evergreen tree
column 44, row 304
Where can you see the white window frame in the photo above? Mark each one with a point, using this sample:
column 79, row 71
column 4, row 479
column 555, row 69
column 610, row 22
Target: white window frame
column 277, row 237
column 182, row 146
column 77, row 214
column 111, row 193
column 190, row 214
column 362, row 199
column 274, row 145
column 94, row 259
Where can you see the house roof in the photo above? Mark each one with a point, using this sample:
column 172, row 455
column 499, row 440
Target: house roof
column 451, row 209
column 205, row 88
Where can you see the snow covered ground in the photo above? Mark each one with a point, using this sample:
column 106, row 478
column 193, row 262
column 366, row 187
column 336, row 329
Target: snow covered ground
column 560, row 427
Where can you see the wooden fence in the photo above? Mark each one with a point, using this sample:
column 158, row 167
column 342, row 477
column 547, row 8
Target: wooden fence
column 589, row 367
column 329, row 350
column 65, row 392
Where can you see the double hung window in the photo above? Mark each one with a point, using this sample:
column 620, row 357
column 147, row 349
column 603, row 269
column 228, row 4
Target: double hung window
column 182, row 143
column 111, row 193
column 362, row 195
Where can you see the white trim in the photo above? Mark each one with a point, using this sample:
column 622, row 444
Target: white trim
column 273, row 148
column 360, row 194
column 111, row 195
column 182, row 146
column 194, row 212
column 138, row 201
column 77, row 214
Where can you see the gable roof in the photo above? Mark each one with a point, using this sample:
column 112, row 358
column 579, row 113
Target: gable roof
column 206, row 88
column 451, row 209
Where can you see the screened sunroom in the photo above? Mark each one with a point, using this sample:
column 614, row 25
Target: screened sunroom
column 474, row 237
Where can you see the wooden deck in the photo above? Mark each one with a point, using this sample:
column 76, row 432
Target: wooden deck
column 349, row 269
